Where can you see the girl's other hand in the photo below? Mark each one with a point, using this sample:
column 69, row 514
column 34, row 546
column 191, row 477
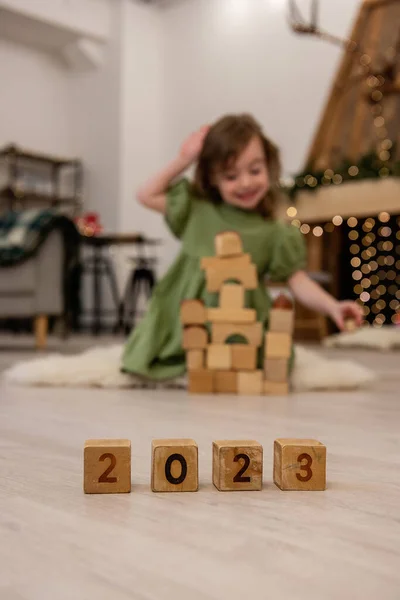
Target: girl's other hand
column 346, row 310
column 193, row 145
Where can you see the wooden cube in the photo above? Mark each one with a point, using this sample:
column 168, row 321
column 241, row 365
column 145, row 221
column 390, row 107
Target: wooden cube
column 238, row 315
column 247, row 276
column 174, row 466
column 195, row 338
column 234, row 262
column 244, row 357
column 350, row 325
column 299, row 464
column 107, row 466
column 228, row 243
column 281, row 321
column 276, row 369
column 225, row 382
column 231, row 296
column 195, row 360
column 278, row 345
column 252, row 332
column 201, row 381
column 250, row 383
column 237, row 465
column 276, row 388
column 219, row 356
column 193, row 312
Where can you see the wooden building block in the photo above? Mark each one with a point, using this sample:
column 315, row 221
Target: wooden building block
column 195, row 360
column 278, row 345
column 276, row 388
column 250, row 383
column 107, row 466
column 231, row 296
column 225, row 382
column 276, row 369
column 174, row 466
column 195, row 338
column 237, row 465
column 219, row 356
column 244, row 357
column 247, row 276
column 233, row 262
column 299, row 464
column 201, row 381
column 350, row 325
column 252, row 332
column 223, row 315
column 228, row 243
column 193, row 312
column 281, row 321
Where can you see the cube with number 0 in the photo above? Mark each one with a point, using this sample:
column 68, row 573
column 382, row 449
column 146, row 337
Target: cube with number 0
column 237, row 465
column 107, row 466
column 299, row 464
column 174, row 466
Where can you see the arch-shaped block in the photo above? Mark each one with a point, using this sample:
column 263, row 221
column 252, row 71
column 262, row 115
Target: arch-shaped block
column 247, row 276
column 251, row 332
column 193, row 312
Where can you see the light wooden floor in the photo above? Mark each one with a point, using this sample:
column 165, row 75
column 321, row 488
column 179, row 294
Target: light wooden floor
column 58, row 544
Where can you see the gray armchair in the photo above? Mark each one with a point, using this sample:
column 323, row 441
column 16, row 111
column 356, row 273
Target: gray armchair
column 35, row 287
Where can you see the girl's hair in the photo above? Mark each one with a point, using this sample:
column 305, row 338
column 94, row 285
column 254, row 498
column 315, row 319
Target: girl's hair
column 226, row 139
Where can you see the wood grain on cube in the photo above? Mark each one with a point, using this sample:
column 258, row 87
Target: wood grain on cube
column 251, row 332
column 299, row 464
column 234, row 262
column 281, row 321
column 225, row 382
column 237, row 465
column 195, row 338
column 231, row 296
column 107, row 466
column 247, row 276
column 278, row 345
column 276, row 369
column 234, row 315
column 228, row 243
column 276, row 388
column 201, row 381
column 174, row 466
column 195, row 359
column 193, row 312
column 244, row 357
column 250, row 383
column 219, row 356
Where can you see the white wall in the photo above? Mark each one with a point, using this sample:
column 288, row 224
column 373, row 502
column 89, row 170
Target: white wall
column 34, row 100
column 239, row 55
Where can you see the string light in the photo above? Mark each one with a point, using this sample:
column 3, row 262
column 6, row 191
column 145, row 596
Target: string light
column 337, row 220
column 318, row 231
column 291, row 211
column 305, row 228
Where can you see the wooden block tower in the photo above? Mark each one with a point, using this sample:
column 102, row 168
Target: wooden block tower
column 216, row 366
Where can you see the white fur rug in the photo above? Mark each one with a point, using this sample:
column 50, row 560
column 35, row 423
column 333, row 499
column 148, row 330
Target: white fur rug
column 383, row 338
column 100, row 367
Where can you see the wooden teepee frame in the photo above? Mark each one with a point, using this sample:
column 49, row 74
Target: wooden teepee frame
column 347, row 128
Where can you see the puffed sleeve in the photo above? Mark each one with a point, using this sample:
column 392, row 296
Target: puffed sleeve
column 179, row 204
column 289, row 253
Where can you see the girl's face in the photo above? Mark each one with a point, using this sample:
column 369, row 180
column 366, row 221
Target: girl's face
column 245, row 182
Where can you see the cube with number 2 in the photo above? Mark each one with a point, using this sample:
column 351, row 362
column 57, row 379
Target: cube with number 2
column 237, row 465
column 299, row 464
column 107, row 466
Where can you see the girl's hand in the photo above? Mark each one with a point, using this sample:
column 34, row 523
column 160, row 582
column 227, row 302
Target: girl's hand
column 193, row 145
column 346, row 310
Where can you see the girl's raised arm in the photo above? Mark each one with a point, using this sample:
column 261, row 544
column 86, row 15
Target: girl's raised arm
column 153, row 194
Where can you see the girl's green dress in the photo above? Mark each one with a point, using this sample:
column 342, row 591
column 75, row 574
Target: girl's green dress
column 154, row 348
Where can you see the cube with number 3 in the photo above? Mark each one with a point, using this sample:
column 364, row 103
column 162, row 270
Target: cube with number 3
column 299, row 464
column 107, row 466
column 237, row 465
